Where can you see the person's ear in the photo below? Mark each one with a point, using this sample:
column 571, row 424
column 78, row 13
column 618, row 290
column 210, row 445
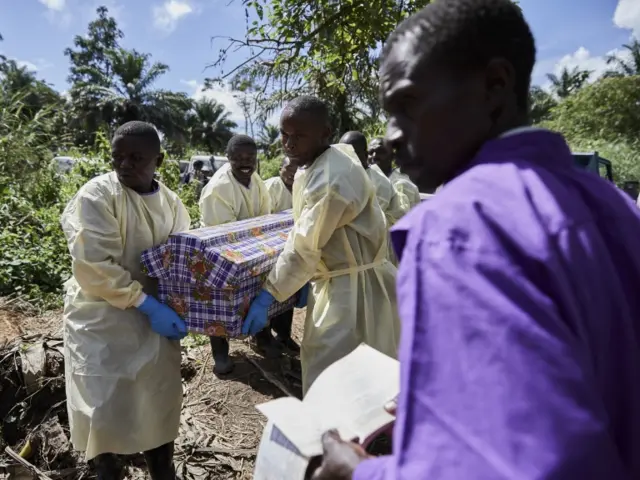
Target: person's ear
column 500, row 80
column 160, row 159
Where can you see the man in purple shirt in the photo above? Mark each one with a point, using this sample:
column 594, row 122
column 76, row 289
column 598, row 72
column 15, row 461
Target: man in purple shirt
column 518, row 282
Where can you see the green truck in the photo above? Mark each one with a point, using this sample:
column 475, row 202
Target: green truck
column 593, row 162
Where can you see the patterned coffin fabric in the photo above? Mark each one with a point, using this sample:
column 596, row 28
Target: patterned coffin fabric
column 209, row 276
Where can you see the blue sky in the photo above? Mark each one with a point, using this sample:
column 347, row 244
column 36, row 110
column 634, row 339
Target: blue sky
column 178, row 33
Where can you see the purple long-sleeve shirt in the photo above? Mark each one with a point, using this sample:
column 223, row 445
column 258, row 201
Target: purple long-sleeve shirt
column 519, row 298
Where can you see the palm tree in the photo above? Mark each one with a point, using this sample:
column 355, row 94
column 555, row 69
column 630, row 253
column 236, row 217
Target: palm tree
column 269, row 140
column 210, row 126
column 625, row 67
column 34, row 94
column 569, row 81
column 130, row 96
column 540, row 104
column 16, row 78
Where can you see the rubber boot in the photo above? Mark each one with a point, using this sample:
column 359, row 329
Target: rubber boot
column 108, row 467
column 220, row 350
column 282, row 326
column 160, row 462
column 266, row 345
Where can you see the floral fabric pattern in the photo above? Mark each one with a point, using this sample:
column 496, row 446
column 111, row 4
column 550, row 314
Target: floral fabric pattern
column 210, row 275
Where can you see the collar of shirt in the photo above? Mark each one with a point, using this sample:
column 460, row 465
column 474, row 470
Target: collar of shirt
column 519, row 130
column 528, row 144
column 155, row 187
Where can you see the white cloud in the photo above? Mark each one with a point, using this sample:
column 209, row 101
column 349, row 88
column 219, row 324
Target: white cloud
column 581, row 59
column 57, row 5
column 43, row 64
column 224, row 95
column 61, row 19
column 32, row 67
column 221, row 94
column 166, row 16
column 627, row 15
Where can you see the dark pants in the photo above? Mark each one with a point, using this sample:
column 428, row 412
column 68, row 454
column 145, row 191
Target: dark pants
column 281, row 324
column 159, row 462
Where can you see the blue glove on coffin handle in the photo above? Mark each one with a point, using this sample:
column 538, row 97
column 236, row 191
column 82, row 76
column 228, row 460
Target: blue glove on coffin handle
column 257, row 316
column 164, row 320
column 303, row 296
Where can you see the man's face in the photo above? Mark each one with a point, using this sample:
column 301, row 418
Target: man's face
column 303, row 136
column 437, row 118
column 243, row 161
column 135, row 160
column 380, row 154
column 288, row 173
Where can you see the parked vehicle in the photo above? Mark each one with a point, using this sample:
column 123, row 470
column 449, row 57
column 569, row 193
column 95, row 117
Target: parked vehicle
column 593, row 162
column 63, row 164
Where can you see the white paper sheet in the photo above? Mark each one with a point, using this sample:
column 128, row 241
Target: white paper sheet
column 277, row 458
column 349, row 395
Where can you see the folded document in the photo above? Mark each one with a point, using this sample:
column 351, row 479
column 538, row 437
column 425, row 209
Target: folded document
column 349, row 396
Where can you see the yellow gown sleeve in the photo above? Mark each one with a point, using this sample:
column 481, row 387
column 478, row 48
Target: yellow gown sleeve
column 265, row 200
column 216, row 208
column 398, row 207
column 275, row 192
column 298, row 263
column 405, row 189
column 182, row 221
column 95, row 245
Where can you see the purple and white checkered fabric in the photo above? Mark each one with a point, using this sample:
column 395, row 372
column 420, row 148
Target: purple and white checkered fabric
column 209, row 276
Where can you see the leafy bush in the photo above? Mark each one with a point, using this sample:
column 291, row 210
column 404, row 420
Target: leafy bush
column 623, row 155
column 269, row 167
column 606, row 110
column 34, row 260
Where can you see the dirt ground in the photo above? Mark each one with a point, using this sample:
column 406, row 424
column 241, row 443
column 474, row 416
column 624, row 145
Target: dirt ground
column 220, row 427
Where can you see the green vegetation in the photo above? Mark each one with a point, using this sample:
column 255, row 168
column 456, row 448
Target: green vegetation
column 326, row 48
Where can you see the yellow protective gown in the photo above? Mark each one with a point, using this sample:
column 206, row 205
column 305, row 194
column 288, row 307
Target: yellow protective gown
column 339, row 242
column 405, row 187
column 224, row 199
column 281, row 197
column 390, row 201
column 394, row 205
column 124, row 390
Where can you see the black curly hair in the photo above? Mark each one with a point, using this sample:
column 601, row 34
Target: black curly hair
column 143, row 130
column 467, row 34
column 240, row 141
column 309, row 104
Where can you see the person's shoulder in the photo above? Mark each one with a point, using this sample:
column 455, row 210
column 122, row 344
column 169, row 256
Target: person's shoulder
column 378, row 175
column 221, row 182
column 168, row 193
column 272, row 183
column 258, row 181
column 487, row 206
column 105, row 185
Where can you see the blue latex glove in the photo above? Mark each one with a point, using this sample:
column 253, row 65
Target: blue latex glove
column 257, row 316
column 303, row 296
column 164, row 320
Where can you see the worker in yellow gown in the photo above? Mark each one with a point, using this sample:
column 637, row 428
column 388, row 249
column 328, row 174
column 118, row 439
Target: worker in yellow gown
column 236, row 192
column 390, row 202
column 393, row 204
column 122, row 350
column 280, row 188
column 338, row 242
column 381, row 155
